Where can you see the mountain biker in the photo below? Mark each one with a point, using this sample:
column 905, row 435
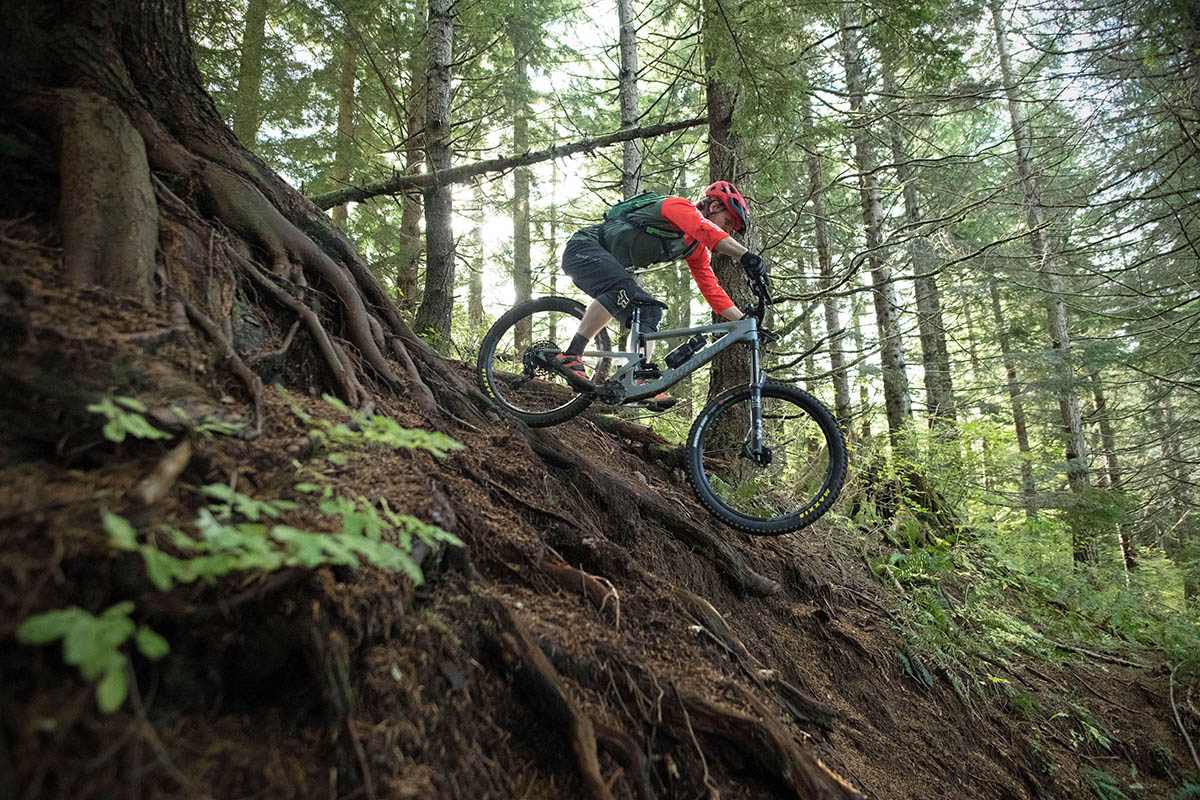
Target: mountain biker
column 599, row 260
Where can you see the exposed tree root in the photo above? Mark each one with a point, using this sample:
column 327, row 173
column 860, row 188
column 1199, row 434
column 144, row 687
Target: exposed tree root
column 253, row 383
column 760, row 737
column 805, row 709
column 154, row 487
column 653, row 446
column 354, row 392
column 620, row 492
column 625, row 749
column 599, row 591
column 535, row 672
column 421, row 391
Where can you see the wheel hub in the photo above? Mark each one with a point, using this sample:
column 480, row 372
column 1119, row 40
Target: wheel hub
column 761, row 457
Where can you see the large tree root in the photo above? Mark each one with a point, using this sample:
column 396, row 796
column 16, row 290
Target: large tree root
column 620, row 492
column 253, row 383
column 803, row 708
column 539, row 679
column 599, row 591
column 653, row 446
column 759, row 736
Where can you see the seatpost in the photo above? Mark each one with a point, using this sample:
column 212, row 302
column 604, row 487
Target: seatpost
column 635, row 332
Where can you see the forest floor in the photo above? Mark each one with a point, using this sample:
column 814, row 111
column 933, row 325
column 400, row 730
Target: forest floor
column 598, row 635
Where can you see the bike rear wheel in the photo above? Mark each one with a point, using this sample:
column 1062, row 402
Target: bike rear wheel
column 796, row 480
column 509, row 369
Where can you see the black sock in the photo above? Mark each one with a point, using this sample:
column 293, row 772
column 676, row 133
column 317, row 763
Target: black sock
column 577, row 346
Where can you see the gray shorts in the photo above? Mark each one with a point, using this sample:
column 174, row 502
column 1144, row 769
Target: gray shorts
column 600, row 275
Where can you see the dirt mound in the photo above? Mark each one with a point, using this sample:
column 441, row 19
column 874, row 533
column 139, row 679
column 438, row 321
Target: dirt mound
column 597, row 636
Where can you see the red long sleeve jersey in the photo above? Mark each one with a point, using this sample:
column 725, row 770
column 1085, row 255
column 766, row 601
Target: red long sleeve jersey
column 684, row 215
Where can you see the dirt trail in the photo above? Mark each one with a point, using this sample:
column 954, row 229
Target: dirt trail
column 599, row 635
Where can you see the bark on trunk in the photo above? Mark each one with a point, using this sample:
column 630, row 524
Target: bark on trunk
column 896, row 399
column 247, row 104
column 344, row 148
column 437, row 304
column 631, row 151
column 475, row 293
column 412, row 244
column 939, row 387
column 1108, row 443
column 522, row 268
column 1015, row 392
column 1084, row 546
column 730, row 368
column 837, row 359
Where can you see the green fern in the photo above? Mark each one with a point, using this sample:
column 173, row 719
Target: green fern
column 1104, row 786
column 1189, row 791
column 93, row 645
column 125, row 417
column 363, row 433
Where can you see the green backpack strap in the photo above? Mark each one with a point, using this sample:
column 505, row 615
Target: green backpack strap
column 629, row 205
column 627, row 208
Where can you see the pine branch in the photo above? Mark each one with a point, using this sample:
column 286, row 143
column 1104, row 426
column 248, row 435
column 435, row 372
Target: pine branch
column 425, row 180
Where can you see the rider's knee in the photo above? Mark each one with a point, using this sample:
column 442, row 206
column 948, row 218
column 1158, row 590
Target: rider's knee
column 651, row 315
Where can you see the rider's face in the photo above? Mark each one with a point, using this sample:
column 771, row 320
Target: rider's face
column 726, row 220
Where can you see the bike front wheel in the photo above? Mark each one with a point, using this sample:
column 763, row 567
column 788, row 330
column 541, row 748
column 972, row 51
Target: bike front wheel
column 786, row 486
column 511, row 371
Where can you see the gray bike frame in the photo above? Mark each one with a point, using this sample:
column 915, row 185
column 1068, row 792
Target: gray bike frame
column 628, row 390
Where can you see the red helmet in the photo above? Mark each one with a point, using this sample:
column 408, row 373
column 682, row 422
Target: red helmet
column 732, row 199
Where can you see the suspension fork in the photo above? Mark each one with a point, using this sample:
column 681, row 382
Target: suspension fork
column 757, row 379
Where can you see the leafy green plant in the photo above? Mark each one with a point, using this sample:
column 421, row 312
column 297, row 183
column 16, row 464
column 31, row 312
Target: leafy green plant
column 342, row 439
column 93, row 644
column 237, row 503
column 1104, row 786
column 1188, row 791
column 125, row 417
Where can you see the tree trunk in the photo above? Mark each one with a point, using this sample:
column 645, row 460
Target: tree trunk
column 730, row 368
column 554, row 244
column 475, row 292
column 1028, row 490
column 1108, row 443
column 896, row 399
column 522, row 271
column 1084, row 547
column 412, row 209
column 939, row 387
column 631, row 151
column 864, row 391
column 247, row 103
column 1179, row 543
column 816, row 194
column 344, row 147
column 437, row 304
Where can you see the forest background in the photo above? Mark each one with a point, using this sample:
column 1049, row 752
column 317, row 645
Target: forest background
column 984, row 218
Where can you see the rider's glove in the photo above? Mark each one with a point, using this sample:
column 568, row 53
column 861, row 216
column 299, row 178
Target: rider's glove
column 755, row 265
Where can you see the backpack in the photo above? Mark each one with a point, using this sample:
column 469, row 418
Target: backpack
column 625, row 209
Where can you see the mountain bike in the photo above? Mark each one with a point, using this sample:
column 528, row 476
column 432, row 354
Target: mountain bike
column 766, row 458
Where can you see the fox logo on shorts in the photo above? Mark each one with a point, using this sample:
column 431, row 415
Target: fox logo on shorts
column 622, row 299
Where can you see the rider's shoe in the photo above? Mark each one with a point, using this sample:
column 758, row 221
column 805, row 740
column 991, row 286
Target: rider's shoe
column 572, row 368
column 657, row 404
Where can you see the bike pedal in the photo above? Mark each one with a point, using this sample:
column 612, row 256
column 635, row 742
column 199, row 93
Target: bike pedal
column 611, row 392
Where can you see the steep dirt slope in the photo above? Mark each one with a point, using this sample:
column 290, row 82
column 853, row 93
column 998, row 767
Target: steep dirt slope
column 598, row 636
